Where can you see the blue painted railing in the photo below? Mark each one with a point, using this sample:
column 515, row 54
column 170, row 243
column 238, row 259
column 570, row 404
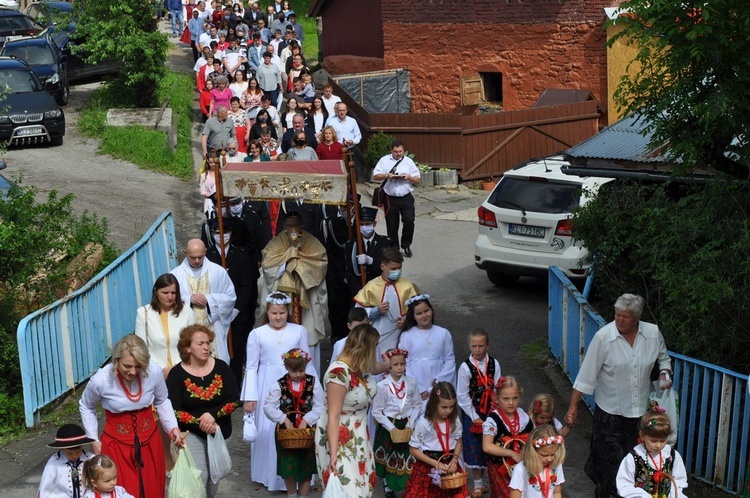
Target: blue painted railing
column 714, row 432
column 63, row 344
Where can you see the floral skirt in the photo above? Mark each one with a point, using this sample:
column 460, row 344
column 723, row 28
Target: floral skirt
column 392, row 460
column 297, row 464
column 499, row 478
column 420, row 483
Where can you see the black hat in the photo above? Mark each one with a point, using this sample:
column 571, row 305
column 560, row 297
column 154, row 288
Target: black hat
column 70, row 436
column 368, row 214
column 213, row 225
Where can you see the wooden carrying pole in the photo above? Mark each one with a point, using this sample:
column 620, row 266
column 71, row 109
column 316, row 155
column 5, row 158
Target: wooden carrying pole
column 220, row 162
column 353, row 189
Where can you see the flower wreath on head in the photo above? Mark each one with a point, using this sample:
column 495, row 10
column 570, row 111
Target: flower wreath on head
column 546, row 441
column 396, row 352
column 296, row 353
column 418, row 297
column 278, row 298
column 501, row 382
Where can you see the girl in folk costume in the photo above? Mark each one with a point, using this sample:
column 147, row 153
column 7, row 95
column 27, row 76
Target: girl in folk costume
column 653, row 468
column 542, row 411
column 396, row 406
column 435, row 360
column 475, row 389
column 300, row 392
column 540, row 474
column 264, row 367
column 100, row 479
column 503, row 434
column 436, row 434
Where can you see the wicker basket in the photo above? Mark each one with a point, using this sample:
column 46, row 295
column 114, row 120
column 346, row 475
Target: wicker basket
column 455, row 480
column 295, row 439
column 402, row 435
column 509, row 463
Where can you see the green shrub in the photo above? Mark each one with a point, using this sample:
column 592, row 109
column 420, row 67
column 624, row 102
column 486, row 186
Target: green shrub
column 378, row 146
column 687, row 252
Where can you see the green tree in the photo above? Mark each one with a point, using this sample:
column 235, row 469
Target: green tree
column 125, row 32
column 691, row 78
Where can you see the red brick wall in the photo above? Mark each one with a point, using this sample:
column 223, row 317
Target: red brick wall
column 531, row 58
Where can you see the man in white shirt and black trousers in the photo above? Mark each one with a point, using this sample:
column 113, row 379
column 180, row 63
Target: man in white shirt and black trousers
column 402, row 175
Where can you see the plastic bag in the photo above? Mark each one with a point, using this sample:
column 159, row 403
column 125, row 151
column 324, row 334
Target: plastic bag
column 185, row 479
column 667, row 402
column 249, row 431
column 334, row 488
column 219, row 461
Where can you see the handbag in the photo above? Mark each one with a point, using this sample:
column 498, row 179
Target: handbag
column 186, row 37
column 185, row 479
column 249, row 431
column 379, row 197
column 219, row 461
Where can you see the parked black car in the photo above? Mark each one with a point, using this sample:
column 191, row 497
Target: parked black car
column 47, row 61
column 50, row 13
column 28, row 114
column 14, row 23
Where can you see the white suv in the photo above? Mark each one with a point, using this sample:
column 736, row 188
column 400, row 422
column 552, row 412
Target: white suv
column 524, row 225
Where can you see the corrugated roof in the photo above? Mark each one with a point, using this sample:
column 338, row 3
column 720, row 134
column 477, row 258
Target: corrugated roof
column 558, row 96
column 622, row 141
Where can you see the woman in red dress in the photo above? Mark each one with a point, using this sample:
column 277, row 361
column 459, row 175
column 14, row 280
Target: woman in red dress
column 329, row 147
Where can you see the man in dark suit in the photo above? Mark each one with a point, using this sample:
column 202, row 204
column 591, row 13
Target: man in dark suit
column 298, row 123
column 244, row 275
column 370, row 256
column 254, row 13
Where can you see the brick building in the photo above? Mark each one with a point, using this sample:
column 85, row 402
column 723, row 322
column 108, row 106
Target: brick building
column 462, row 52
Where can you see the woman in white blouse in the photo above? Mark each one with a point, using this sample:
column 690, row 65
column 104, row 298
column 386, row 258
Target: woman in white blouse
column 159, row 322
column 129, row 389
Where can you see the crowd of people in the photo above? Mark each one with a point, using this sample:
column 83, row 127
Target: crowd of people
column 393, row 403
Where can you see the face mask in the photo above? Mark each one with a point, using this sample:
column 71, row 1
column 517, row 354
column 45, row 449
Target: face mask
column 367, row 230
column 217, row 238
column 300, row 141
column 235, row 210
column 394, row 275
column 262, row 119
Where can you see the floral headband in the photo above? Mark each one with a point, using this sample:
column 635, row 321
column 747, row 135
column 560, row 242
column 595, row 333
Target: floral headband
column 501, row 382
column 546, row 441
column 418, row 297
column 278, row 298
column 396, row 352
column 296, row 353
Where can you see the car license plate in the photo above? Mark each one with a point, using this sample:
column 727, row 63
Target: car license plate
column 36, row 130
column 526, row 230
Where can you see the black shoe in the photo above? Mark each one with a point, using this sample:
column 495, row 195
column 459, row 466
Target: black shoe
column 390, row 494
column 407, row 252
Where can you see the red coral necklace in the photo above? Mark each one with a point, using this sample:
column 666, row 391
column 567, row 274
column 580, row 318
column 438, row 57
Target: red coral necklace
column 135, row 398
column 400, row 392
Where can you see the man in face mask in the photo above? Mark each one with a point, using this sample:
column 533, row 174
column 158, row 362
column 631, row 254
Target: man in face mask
column 385, row 298
column 208, row 289
column 368, row 255
column 245, row 282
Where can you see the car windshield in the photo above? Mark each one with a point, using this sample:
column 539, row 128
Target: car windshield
column 14, row 23
column 35, row 55
column 536, row 196
column 19, row 81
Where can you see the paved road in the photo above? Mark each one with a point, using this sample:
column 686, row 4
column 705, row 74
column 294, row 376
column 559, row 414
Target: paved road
column 443, row 267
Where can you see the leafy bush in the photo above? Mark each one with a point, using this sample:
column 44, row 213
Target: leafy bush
column 687, row 252
column 378, row 146
column 35, row 238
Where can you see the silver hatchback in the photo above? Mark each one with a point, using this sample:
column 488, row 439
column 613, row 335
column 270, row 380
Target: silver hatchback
column 524, row 225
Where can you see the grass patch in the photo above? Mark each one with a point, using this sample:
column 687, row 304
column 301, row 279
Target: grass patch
column 146, row 148
column 310, row 47
column 536, row 352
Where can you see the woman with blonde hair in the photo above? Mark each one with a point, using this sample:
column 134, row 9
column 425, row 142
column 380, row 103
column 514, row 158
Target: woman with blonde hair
column 127, row 389
column 329, row 146
column 343, row 445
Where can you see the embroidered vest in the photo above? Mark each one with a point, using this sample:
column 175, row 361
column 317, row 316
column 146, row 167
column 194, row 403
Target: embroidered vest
column 644, row 474
column 503, row 432
column 306, row 401
column 475, row 389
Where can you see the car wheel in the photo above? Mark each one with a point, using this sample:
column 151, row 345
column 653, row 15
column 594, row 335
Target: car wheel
column 56, row 141
column 64, row 96
column 502, row 279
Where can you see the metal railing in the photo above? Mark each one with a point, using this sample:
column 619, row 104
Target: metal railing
column 63, row 344
column 714, row 429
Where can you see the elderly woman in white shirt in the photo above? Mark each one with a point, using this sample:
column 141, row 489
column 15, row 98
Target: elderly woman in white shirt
column 617, row 368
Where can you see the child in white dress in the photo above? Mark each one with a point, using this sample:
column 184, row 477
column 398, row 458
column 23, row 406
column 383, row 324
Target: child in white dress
column 264, row 367
column 540, row 474
column 542, row 411
column 432, row 359
column 100, row 479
